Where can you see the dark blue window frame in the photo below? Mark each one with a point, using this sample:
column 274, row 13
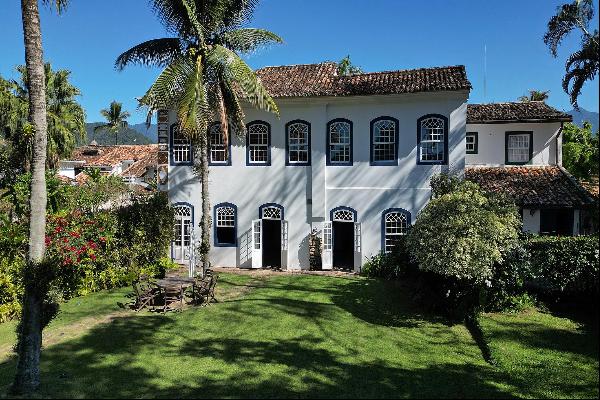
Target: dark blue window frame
column 287, row 144
column 507, row 136
column 235, row 225
column 328, row 144
column 191, row 207
column 344, row 208
column 475, row 143
column 386, row 212
column 172, row 161
column 275, row 205
column 218, row 164
column 254, row 163
column 396, row 137
column 445, row 160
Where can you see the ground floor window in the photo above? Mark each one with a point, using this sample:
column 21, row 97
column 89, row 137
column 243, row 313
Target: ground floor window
column 225, row 225
column 395, row 223
column 556, row 222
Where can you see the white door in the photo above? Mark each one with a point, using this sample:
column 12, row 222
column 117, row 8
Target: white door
column 284, row 244
column 327, row 243
column 183, row 234
column 357, row 247
column 257, row 243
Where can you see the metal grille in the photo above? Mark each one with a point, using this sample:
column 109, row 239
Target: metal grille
column 181, row 147
column 339, row 142
column 225, row 217
column 384, row 140
column 518, row 148
column 396, row 225
column 258, row 143
column 343, row 215
column 298, row 143
column 271, row 213
column 218, row 150
column 432, row 139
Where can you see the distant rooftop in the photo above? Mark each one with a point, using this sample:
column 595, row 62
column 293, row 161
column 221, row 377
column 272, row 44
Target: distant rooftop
column 315, row 80
column 532, row 111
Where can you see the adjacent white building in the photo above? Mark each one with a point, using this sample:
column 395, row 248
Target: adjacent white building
column 349, row 156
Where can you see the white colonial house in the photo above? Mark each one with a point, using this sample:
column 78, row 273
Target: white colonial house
column 352, row 157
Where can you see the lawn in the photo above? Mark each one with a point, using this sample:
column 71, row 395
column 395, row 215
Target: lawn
column 307, row 336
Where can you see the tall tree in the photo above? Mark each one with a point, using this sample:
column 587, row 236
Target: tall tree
column 535, row 95
column 582, row 65
column 65, row 116
column 116, row 119
column 204, row 78
column 29, row 344
column 580, row 150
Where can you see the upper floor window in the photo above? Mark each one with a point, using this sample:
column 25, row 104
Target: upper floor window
column 339, row 142
column 519, row 147
column 472, row 143
column 395, row 223
column 218, row 153
column 432, row 139
column 225, row 225
column 258, row 143
column 181, row 147
column 297, row 143
column 384, row 141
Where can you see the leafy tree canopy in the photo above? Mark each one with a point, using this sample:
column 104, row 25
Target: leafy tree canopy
column 580, row 150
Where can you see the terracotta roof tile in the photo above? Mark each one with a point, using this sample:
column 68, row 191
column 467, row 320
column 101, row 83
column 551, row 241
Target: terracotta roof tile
column 549, row 186
column 111, row 155
column 515, row 112
column 313, row 80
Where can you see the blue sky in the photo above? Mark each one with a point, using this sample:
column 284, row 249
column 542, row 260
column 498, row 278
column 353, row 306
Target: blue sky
column 378, row 35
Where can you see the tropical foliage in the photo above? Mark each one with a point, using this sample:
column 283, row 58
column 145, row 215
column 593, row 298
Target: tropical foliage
column 204, row 78
column 580, row 150
column 65, row 117
column 582, row 65
column 535, row 95
column 116, row 119
column 345, row 67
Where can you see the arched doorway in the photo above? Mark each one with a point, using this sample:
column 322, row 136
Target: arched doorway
column 342, row 226
column 269, row 237
column 184, row 224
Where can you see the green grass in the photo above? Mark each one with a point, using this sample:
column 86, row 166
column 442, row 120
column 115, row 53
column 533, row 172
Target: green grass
column 304, row 336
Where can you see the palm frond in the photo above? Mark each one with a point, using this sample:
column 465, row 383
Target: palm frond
column 581, row 66
column 192, row 108
column 577, row 14
column 174, row 17
column 245, row 40
column 241, row 78
column 154, row 53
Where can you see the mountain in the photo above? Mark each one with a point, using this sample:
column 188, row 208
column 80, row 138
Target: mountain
column 151, row 132
column 126, row 135
column 585, row 115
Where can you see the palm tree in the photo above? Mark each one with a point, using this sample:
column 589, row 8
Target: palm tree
column 204, row 77
column 582, row 65
column 34, row 316
column 116, row 119
column 65, row 117
column 535, row 95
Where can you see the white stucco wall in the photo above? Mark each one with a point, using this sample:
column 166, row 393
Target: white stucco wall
column 308, row 193
column 492, row 142
column 531, row 220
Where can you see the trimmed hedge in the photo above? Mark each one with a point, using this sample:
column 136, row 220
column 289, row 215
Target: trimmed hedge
column 564, row 265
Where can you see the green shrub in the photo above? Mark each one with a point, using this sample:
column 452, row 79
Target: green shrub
column 565, row 266
column 390, row 266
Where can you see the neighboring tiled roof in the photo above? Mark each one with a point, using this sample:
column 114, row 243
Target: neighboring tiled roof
column 139, row 168
column 111, row 155
column 313, row 80
column 533, row 187
column 533, row 111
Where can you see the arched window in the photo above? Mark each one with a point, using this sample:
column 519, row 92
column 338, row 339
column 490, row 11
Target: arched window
column 225, row 217
column 339, row 142
column 343, row 214
column 271, row 211
column 184, row 223
column 218, row 153
column 394, row 224
column 432, row 139
column 384, row 141
column 181, row 147
column 258, row 143
column 297, row 144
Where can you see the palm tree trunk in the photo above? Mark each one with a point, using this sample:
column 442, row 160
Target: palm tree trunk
column 205, row 219
column 27, row 378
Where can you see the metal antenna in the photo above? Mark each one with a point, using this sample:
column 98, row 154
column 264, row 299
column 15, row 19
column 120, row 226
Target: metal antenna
column 484, row 73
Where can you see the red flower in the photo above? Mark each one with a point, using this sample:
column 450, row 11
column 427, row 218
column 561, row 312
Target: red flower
column 102, row 239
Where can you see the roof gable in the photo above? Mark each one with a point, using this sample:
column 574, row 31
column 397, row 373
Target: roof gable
column 532, row 111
